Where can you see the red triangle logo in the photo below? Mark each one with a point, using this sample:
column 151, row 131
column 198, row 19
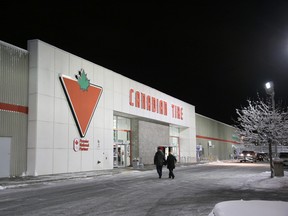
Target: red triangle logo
column 82, row 102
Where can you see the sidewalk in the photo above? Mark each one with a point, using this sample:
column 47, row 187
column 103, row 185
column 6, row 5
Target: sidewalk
column 18, row 181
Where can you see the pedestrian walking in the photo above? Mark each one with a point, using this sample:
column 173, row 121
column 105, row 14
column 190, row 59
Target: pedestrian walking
column 159, row 161
column 171, row 161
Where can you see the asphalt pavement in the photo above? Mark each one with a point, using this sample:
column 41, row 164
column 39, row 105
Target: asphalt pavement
column 24, row 180
column 139, row 192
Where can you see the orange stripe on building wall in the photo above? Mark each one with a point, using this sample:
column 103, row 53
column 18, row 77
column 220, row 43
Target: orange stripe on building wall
column 13, row 108
column 216, row 139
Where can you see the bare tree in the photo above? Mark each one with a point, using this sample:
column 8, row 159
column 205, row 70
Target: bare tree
column 259, row 124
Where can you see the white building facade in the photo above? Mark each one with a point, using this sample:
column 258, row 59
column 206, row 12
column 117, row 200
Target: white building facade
column 84, row 117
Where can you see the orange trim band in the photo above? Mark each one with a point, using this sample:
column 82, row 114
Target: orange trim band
column 211, row 138
column 13, row 108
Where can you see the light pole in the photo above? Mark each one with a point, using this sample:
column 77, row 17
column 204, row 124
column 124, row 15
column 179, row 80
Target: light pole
column 269, row 87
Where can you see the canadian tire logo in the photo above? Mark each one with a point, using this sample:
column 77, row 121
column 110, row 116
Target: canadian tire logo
column 82, row 97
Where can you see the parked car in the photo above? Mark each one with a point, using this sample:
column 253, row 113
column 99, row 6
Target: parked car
column 284, row 156
column 262, row 156
column 247, row 156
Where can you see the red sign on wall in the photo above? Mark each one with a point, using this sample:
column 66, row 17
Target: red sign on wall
column 80, row 145
column 82, row 97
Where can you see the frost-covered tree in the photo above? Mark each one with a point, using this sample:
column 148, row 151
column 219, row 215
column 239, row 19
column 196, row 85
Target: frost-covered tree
column 261, row 124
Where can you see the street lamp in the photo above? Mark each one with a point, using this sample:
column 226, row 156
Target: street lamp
column 269, row 87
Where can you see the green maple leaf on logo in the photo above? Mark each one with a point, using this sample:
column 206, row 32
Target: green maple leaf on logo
column 82, row 80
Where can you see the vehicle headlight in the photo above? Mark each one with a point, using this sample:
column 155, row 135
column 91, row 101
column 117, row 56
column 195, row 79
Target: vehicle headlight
column 248, row 154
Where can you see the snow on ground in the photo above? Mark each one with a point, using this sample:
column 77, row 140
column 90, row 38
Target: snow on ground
column 257, row 181
column 250, row 208
column 255, row 207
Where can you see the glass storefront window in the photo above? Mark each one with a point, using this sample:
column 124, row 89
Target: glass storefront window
column 121, row 135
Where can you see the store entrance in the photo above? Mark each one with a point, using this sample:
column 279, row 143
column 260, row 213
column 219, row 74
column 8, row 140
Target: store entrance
column 121, row 155
column 122, row 146
column 167, row 149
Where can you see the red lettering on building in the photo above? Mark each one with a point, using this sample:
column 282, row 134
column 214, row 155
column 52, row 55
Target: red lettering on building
column 153, row 104
column 80, row 145
column 143, row 101
column 131, row 97
column 162, row 107
column 137, row 99
column 148, row 98
column 177, row 112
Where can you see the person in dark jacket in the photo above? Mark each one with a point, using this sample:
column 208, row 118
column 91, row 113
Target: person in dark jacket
column 171, row 161
column 159, row 161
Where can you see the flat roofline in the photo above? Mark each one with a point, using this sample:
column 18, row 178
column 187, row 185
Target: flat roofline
column 13, row 46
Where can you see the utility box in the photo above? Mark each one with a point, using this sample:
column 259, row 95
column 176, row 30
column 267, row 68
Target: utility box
column 278, row 167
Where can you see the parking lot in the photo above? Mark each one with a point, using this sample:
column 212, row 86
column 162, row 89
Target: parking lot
column 194, row 191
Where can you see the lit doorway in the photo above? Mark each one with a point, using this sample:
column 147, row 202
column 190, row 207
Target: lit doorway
column 121, row 155
column 175, row 146
column 121, row 148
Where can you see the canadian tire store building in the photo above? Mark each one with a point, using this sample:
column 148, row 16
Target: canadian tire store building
column 60, row 113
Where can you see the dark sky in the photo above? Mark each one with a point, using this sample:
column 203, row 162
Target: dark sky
column 212, row 54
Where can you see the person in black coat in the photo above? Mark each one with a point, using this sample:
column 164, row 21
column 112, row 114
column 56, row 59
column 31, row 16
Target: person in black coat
column 171, row 161
column 159, row 161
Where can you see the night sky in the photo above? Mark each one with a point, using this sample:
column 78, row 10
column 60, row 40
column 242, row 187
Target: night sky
column 211, row 54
